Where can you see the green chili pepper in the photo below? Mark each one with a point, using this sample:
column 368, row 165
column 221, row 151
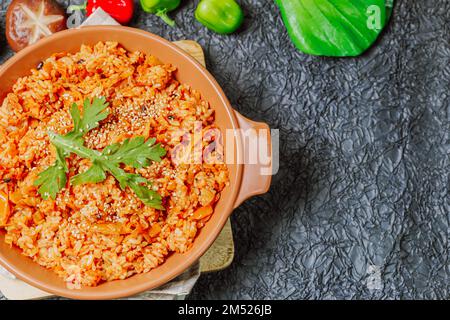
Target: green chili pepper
column 334, row 27
column 221, row 16
column 161, row 8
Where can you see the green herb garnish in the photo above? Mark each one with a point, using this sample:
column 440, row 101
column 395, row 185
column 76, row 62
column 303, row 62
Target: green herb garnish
column 53, row 179
column 135, row 152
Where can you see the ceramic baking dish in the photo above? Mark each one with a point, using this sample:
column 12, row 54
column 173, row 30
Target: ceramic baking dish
column 245, row 180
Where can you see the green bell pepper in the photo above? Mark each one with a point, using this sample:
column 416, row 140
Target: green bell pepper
column 221, row 16
column 161, row 8
column 334, row 27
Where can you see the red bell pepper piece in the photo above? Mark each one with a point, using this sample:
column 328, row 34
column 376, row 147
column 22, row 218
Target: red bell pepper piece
column 121, row 10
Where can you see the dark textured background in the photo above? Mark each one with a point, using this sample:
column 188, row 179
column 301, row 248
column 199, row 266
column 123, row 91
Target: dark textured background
column 364, row 179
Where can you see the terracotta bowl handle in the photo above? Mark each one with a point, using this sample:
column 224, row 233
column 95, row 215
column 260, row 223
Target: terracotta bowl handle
column 257, row 175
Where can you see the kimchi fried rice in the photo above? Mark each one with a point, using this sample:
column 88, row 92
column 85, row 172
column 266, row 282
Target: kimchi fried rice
column 97, row 232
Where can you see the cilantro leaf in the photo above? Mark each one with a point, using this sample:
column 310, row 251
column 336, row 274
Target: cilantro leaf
column 51, row 181
column 135, row 152
column 148, row 196
column 54, row 178
column 138, row 184
column 70, row 145
column 93, row 113
column 76, row 118
column 94, row 174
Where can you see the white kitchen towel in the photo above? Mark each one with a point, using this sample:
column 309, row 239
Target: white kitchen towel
column 176, row 289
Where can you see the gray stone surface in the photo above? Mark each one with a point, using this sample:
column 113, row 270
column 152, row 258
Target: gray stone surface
column 360, row 207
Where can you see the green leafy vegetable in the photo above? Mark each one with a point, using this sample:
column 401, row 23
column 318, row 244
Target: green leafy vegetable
column 148, row 197
column 94, row 174
column 135, row 152
column 138, row 184
column 93, row 113
column 334, row 27
column 52, row 180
